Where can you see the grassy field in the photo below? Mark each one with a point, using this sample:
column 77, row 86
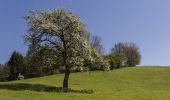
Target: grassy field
column 139, row 83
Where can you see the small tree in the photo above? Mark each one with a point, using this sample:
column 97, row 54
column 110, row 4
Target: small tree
column 130, row 51
column 116, row 60
column 62, row 31
column 16, row 65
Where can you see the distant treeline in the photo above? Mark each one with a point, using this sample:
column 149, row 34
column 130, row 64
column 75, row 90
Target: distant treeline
column 45, row 62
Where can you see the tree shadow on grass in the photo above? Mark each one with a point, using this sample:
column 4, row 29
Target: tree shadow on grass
column 41, row 88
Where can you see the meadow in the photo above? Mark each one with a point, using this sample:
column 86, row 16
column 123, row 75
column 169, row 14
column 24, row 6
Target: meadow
column 133, row 83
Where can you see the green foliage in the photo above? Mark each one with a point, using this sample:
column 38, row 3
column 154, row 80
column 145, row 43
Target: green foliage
column 42, row 62
column 16, row 65
column 116, row 60
column 98, row 62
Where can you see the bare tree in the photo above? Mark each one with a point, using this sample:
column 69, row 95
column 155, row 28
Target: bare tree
column 96, row 43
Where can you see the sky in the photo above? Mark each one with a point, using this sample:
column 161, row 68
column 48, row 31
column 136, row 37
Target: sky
column 144, row 22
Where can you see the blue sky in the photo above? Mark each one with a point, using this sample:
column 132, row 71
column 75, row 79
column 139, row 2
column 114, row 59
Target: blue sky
column 144, row 22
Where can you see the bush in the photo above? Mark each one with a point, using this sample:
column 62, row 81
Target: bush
column 116, row 60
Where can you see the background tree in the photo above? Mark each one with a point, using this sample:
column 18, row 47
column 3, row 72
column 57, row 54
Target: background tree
column 4, row 72
column 131, row 52
column 96, row 43
column 62, row 31
column 116, row 60
column 42, row 62
column 16, row 65
column 97, row 53
column 98, row 62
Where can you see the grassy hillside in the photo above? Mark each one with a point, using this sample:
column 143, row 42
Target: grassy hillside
column 139, row 83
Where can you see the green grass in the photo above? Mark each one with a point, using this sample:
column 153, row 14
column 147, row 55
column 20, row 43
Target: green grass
column 135, row 83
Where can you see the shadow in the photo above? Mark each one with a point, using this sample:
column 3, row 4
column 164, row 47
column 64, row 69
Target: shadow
column 41, row 88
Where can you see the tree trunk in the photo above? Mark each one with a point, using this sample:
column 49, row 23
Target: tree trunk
column 67, row 69
column 66, row 78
